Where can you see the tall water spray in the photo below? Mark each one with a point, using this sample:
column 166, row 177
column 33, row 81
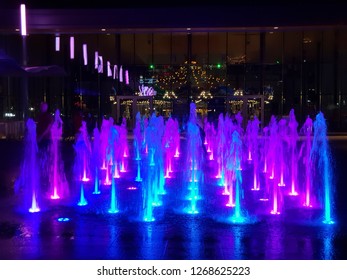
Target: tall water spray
column 153, row 181
column 305, row 154
column 82, row 162
column 293, row 138
column 194, row 161
column 320, row 155
column 233, row 163
column 96, row 162
column 29, row 179
column 58, row 182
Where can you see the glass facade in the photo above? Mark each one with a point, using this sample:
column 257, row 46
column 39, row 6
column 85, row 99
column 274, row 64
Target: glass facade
column 302, row 69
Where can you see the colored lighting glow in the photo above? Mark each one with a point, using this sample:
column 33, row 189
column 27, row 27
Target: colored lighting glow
column 85, row 178
column 63, row 219
column 148, row 219
column 116, row 172
column 82, row 201
column 238, row 219
column 114, row 205
column 121, row 74
column 320, row 150
column 34, row 210
column 126, row 77
column 57, row 43
column 293, row 194
column 85, row 54
column 72, row 47
column 109, row 71
column 34, row 205
column 151, row 66
column 96, row 182
column 23, row 20
column 96, row 60
column 101, row 65
column 55, row 195
column 318, row 158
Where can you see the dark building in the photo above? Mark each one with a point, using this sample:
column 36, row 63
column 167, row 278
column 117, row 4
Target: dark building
column 289, row 54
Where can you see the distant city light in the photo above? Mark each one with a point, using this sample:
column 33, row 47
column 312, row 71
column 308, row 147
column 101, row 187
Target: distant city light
column 10, row 115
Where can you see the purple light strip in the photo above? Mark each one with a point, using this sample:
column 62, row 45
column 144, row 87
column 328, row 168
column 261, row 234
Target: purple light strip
column 23, row 20
column 85, row 54
column 72, row 47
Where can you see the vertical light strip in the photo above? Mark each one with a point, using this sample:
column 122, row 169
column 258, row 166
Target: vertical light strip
column 121, row 74
column 85, row 54
column 57, row 43
column 72, row 47
column 96, row 60
column 126, row 77
column 101, row 65
column 109, row 71
column 23, row 20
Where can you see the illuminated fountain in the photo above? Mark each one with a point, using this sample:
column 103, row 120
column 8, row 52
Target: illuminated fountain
column 153, row 181
column 29, row 180
column 321, row 159
column 262, row 172
column 220, row 145
column 233, row 164
column 275, row 193
column 96, row 162
column 123, row 142
column 305, row 154
column 82, row 162
column 282, row 151
column 210, row 133
column 57, row 176
column 113, row 153
column 138, row 136
column 169, row 146
column 194, row 162
column 293, row 139
column 252, row 136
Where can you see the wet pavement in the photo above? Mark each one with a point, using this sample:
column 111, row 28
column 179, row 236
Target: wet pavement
column 63, row 230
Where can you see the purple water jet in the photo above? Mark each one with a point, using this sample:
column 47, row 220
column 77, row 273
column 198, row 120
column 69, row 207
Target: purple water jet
column 58, row 182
